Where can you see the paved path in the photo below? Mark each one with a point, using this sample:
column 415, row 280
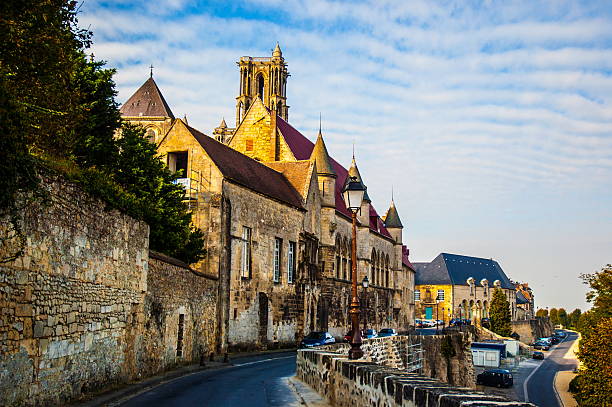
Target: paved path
column 256, row 381
column 540, row 386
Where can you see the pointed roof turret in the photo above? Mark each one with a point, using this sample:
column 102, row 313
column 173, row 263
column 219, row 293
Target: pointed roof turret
column 277, row 51
column 147, row 101
column 392, row 219
column 321, row 157
column 223, row 125
column 354, row 172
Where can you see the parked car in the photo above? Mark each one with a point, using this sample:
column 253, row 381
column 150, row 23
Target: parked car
column 538, row 355
column 418, row 323
column 387, row 332
column 428, row 323
column 485, row 323
column 495, row 377
column 541, row 346
column 369, row 334
column 317, row 338
column 561, row 334
column 555, row 340
column 439, row 322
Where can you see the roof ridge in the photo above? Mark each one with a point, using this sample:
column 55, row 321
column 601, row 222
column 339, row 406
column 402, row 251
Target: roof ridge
column 149, row 93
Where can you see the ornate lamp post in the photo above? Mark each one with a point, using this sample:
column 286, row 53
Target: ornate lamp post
column 365, row 283
column 353, row 197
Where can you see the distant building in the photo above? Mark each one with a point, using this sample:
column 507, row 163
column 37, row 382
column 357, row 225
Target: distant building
column 525, row 305
column 456, row 286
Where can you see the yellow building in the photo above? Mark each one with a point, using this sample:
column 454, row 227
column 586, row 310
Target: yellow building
column 455, row 286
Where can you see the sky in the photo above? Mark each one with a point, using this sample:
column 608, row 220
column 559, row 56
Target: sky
column 491, row 120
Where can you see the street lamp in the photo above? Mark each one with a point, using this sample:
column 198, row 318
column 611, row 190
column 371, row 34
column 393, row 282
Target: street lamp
column 353, row 192
column 365, row 283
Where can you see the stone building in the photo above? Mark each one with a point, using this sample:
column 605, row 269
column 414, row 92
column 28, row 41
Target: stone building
column 456, row 286
column 278, row 231
column 525, row 306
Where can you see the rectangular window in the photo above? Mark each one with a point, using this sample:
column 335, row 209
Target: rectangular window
column 440, row 295
column 337, row 266
column 278, row 244
column 249, row 144
column 417, row 295
column 177, row 161
column 179, row 336
column 291, row 262
column 245, row 266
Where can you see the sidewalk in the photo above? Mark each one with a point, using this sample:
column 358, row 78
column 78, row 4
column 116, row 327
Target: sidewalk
column 115, row 395
column 562, row 380
column 307, row 395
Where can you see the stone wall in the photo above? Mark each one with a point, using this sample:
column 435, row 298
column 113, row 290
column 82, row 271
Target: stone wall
column 393, row 352
column 531, row 329
column 83, row 307
column 70, row 304
column 363, row 384
column 180, row 302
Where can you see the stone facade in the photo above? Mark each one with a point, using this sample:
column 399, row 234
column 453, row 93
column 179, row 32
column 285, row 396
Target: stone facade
column 80, row 307
column 236, row 187
column 532, row 329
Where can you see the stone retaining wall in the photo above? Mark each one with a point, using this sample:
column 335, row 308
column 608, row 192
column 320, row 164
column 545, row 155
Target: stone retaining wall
column 347, row 383
column 79, row 308
column 393, row 352
column 532, row 329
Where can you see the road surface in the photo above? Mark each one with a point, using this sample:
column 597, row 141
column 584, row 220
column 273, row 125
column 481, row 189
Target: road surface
column 540, row 386
column 256, row 381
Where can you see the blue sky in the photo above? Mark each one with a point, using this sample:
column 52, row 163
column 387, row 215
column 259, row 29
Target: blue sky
column 492, row 120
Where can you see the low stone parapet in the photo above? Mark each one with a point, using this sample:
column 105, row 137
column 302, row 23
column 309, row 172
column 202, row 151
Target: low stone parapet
column 361, row 383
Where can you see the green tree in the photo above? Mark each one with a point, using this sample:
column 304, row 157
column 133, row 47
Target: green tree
column 562, row 317
column 593, row 385
column 500, row 314
column 554, row 316
column 542, row 312
column 574, row 318
column 58, row 109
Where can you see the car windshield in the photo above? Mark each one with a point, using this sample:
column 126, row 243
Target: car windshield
column 369, row 331
column 316, row 335
column 386, row 331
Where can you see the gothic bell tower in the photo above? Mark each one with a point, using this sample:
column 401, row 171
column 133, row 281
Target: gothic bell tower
column 266, row 78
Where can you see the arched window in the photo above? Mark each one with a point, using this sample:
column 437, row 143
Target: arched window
column 387, row 271
column 372, row 268
column 345, row 264
column 246, row 108
column 338, row 257
column 279, row 107
column 260, row 86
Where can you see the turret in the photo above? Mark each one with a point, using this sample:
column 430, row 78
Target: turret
column 325, row 173
column 393, row 223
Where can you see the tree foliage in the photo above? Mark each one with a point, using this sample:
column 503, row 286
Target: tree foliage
column 554, row 316
column 58, row 109
column 542, row 313
column 500, row 316
column 593, row 385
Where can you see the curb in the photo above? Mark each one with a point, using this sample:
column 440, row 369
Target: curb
column 307, row 395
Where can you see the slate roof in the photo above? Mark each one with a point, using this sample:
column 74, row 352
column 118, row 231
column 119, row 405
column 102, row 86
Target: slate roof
column 520, row 298
column 302, row 148
column 456, row 269
column 321, row 157
column 147, row 101
column 392, row 219
column 405, row 260
column 247, row 172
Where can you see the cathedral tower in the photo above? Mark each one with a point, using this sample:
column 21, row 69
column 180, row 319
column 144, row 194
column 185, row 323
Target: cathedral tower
column 266, row 78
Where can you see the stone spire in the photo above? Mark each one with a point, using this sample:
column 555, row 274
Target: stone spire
column 392, row 219
column 223, row 125
column 354, row 172
column 321, row 157
column 277, row 51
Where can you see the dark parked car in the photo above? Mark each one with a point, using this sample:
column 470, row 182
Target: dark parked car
column 387, row 332
column 541, row 346
column 495, row 377
column 317, row 339
column 538, row 355
column 485, row 323
column 369, row 334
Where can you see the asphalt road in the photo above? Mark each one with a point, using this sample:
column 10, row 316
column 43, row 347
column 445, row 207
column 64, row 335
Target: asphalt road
column 256, row 381
column 540, row 387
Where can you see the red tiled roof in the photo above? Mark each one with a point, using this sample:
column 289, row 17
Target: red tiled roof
column 247, row 172
column 302, row 148
column 405, row 260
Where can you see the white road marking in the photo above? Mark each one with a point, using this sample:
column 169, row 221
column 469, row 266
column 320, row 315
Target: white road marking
column 262, row 361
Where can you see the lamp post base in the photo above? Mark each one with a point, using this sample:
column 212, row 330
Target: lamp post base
column 355, row 352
